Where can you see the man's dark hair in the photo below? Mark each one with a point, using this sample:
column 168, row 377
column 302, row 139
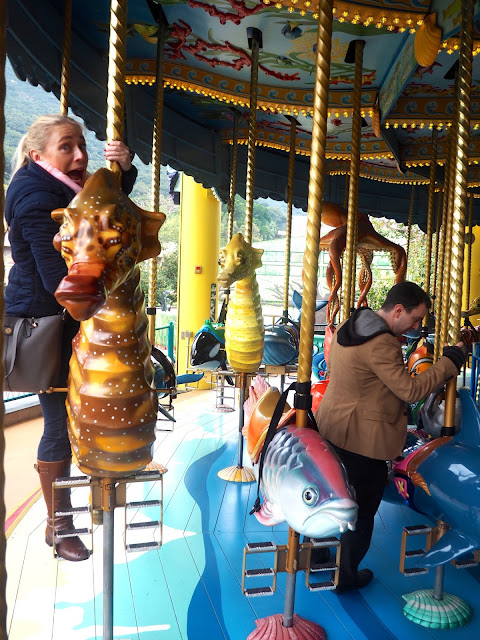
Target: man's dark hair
column 408, row 294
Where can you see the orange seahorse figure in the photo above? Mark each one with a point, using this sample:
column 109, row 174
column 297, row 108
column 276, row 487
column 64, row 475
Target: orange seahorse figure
column 111, row 401
column 368, row 241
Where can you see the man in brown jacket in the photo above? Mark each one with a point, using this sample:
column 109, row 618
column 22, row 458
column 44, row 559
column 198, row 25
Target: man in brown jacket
column 363, row 413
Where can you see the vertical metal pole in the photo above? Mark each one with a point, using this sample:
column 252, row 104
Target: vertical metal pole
column 430, row 212
column 67, row 39
column 233, row 187
column 241, row 418
column 233, row 174
column 116, row 75
column 108, row 506
column 352, row 218
column 108, row 521
column 410, row 218
column 252, row 133
column 459, row 196
column 156, row 168
column 3, row 574
column 288, row 242
column 315, row 196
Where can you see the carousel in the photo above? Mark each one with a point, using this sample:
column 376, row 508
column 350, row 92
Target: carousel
column 207, row 529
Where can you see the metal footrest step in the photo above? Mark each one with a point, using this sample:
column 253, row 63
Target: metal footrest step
column 466, row 563
column 141, row 504
column 72, row 512
column 323, row 566
column 328, row 585
column 156, row 522
column 415, row 530
column 260, row 572
column 259, row 547
column 148, row 524
column 75, row 481
column 254, row 573
column 70, row 533
column 324, row 542
column 258, row 591
column 143, row 546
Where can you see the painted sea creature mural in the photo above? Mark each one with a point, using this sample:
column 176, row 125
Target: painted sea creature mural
column 244, row 330
column 441, row 479
column 111, row 402
column 303, row 481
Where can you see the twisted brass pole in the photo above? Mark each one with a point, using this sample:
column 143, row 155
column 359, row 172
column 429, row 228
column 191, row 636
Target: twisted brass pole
column 116, row 75
column 460, row 194
column 315, row 194
column 233, row 174
column 252, row 136
column 291, row 171
column 441, row 297
column 437, row 247
column 352, row 218
column 310, row 262
column 67, row 40
column 156, row 169
column 469, row 250
column 3, row 573
column 430, row 212
column 410, row 218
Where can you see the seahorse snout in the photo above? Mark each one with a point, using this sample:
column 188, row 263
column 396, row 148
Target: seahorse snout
column 81, row 295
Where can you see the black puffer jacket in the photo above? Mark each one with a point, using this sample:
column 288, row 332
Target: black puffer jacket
column 31, row 197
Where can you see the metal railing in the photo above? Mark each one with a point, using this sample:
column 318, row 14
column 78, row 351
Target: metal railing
column 166, row 339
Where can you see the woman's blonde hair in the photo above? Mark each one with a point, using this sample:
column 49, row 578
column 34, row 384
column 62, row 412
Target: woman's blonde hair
column 37, row 137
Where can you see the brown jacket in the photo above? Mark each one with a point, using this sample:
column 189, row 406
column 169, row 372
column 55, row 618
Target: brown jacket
column 364, row 406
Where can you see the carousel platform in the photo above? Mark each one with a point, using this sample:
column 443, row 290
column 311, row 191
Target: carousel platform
column 190, row 588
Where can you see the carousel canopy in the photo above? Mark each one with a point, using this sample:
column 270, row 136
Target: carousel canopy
column 410, row 58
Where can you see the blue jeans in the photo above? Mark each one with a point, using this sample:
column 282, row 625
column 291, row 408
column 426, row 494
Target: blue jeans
column 54, row 443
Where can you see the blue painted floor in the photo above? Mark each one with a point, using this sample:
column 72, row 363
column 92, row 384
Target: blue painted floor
column 190, row 589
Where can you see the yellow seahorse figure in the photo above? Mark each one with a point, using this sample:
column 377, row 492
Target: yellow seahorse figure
column 244, row 330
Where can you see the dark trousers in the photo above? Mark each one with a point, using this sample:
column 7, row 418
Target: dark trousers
column 54, row 443
column 368, row 477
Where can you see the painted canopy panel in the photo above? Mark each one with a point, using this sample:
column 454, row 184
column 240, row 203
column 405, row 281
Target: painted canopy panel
column 207, row 76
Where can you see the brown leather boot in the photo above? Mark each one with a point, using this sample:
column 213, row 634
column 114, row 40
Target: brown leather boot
column 72, row 548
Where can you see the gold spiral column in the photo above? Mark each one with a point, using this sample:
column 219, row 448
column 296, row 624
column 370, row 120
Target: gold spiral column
column 116, row 75
column 352, row 218
column 67, row 40
column 303, row 397
column 315, row 194
column 291, row 172
column 442, row 297
column 233, row 175
column 460, row 195
column 410, row 218
column 430, row 213
column 469, row 251
column 156, row 169
column 255, row 44
column 3, row 573
column 437, row 247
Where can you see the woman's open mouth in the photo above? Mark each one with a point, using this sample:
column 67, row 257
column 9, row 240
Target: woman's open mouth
column 77, row 175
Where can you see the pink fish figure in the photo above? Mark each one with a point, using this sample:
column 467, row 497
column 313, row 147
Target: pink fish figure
column 305, row 484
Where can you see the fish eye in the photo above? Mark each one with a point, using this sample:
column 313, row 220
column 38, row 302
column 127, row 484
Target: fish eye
column 310, row 495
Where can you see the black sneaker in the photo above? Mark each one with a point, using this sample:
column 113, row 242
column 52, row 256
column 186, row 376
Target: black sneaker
column 364, row 576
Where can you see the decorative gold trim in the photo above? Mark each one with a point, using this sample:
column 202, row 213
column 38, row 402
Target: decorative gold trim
column 381, row 17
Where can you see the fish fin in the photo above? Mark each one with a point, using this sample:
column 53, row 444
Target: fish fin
column 450, row 546
column 269, row 515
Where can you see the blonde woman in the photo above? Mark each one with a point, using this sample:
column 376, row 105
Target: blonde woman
column 50, row 167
